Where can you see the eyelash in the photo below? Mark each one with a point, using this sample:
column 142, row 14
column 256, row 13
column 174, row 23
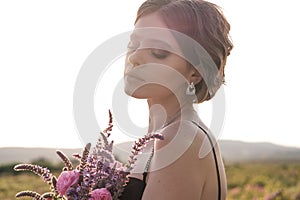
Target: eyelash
column 157, row 53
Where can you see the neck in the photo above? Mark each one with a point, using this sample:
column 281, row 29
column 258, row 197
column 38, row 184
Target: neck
column 163, row 112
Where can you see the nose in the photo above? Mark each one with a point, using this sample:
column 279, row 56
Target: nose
column 135, row 58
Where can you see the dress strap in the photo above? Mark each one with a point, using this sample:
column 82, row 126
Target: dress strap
column 145, row 176
column 215, row 157
column 148, row 165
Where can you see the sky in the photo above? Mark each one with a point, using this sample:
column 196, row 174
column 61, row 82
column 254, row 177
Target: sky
column 43, row 45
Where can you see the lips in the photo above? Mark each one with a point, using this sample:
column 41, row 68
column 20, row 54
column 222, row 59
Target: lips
column 132, row 83
column 133, row 80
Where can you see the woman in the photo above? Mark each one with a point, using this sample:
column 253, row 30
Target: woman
column 176, row 57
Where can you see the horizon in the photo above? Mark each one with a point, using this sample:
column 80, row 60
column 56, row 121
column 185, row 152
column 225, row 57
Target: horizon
column 127, row 141
column 232, row 152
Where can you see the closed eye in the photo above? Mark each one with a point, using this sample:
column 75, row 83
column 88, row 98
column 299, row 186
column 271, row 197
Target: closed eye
column 159, row 53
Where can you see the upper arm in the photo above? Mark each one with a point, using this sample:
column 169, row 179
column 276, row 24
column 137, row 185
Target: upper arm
column 176, row 170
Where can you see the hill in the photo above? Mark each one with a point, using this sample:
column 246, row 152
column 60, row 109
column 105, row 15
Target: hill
column 232, row 151
column 25, row 155
column 237, row 151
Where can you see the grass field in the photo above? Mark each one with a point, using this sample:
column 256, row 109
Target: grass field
column 280, row 181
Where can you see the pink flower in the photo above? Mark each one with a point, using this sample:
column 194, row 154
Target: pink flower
column 65, row 180
column 119, row 166
column 101, row 194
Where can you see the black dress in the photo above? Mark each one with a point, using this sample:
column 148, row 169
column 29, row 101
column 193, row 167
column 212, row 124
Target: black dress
column 134, row 189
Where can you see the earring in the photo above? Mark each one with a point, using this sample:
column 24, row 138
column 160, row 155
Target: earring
column 191, row 89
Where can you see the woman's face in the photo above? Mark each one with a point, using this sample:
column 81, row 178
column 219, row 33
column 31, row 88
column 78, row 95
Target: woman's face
column 152, row 68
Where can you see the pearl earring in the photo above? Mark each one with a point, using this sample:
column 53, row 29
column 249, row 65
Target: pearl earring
column 191, row 90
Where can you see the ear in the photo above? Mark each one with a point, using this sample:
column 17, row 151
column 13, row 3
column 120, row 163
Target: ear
column 194, row 76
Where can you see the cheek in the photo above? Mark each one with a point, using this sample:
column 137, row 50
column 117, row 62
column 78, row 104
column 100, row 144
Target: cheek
column 154, row 80
column 180, row 65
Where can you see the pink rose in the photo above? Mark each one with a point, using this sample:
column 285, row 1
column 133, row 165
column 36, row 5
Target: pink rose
column 65, row 180
column 101, row 194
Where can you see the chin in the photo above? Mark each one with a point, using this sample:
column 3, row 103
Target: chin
column 137, row 93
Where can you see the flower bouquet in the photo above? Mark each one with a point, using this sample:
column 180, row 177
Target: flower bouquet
column 98, row 176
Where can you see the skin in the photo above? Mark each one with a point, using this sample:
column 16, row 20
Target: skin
column 185, row 176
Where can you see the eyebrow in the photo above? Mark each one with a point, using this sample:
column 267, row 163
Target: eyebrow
column 157, row 41
column 134, row 36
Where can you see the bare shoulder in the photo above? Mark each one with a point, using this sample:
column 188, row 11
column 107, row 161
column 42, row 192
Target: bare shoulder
column 176, row 165
column 185, row 131
column 185, row 138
